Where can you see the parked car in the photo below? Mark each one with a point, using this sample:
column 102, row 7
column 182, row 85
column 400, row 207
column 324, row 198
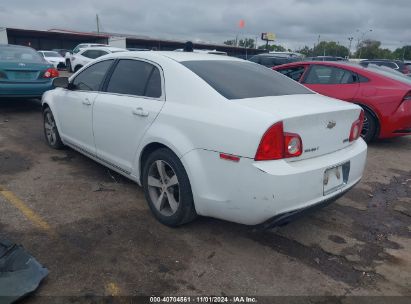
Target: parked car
column 326, row 58
column 62, row 52
column 393, row 64
column 23, row 72
column 270, row 60
column 137, row 49
column 54, row 58
column 385, row 96
column 84, row 56
column 237, row 141
column 77, row 49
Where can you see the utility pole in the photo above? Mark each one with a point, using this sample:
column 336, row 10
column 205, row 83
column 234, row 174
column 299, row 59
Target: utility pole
column 349, row 48
column 98, row 24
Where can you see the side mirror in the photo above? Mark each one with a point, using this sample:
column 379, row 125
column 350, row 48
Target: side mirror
column 61, row 82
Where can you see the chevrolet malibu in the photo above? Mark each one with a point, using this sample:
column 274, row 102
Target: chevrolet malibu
column 209, row 135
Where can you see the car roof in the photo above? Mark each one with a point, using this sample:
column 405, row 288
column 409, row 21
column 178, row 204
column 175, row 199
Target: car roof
column 103, row 48
column 176, row 56
column 15, row 46
column 341, row 64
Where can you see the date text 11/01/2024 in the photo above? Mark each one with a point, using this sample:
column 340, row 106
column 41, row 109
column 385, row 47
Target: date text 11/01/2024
column 204, row 299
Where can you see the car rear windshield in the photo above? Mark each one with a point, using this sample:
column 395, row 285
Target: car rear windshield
column 21, row 54
column 51, row 54
column 390, row 73
column 238, row 80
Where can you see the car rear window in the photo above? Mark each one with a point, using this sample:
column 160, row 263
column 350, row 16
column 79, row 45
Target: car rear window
column 238, row 79
column 20, row 54
column 390, row 73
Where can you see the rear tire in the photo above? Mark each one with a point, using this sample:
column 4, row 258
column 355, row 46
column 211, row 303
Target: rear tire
column 50, row 130
column 167, row 188
column 369, row 129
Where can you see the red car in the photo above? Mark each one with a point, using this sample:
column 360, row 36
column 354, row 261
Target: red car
column 384, row 95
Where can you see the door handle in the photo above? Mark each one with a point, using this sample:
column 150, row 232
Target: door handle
column 87, row 102
column 140, row 112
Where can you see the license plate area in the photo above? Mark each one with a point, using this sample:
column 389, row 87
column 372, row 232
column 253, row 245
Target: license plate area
column 335, row 178
column 24, row 75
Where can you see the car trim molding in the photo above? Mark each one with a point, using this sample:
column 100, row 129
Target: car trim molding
column 85, row 151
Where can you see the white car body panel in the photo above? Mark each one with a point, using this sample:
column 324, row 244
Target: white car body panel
column 55, row 61
column 78, row 60
column 197, row 124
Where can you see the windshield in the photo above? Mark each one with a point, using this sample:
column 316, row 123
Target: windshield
column 390, row 73
column 51, row 54
column 242, row 79
column 10, row 53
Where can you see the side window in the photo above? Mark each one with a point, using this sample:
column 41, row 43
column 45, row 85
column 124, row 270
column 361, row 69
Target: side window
column 90, row 79
column 321, row 74
column 153, row 88
column 93, row 54
column 133, row 77
column 362, row 78
column 294, row 73
column 268, row 61
column 255, row 59
column 389, row 64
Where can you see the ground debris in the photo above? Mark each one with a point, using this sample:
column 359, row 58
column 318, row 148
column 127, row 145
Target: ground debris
column 102, row 188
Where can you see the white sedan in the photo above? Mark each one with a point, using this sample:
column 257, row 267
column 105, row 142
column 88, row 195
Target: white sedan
column 209, row 135
column 58, row 61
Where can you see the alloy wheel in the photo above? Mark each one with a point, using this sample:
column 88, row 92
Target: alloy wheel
column 365, row 127
column 163, row 188
column 51, row 129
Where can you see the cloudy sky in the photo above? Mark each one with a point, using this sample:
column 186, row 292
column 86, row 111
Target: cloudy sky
column 295, row 22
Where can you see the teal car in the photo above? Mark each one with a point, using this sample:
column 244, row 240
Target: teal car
column 24, row 73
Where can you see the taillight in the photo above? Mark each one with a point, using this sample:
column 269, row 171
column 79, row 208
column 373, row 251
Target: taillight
column 276, row 144
column 356, row 127
column 293, row 145
column 51, row 73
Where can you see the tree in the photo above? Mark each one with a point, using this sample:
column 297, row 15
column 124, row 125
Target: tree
column 330, row 48
column 371, row 49
column 273, row 48
column 402, row 53
column 306, row 51
column 245, row 43
column 229, row 42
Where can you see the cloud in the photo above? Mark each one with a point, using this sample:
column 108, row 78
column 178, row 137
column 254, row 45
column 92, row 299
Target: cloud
column 296, row 22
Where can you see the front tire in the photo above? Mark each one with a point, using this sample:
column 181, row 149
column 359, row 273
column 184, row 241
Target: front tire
column 68, row 66
column 167, row 188
column 369, row 129
column 50, row 130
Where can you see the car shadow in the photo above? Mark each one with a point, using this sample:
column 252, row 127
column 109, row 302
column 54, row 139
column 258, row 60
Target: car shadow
column 19, row 105
column 396, row 143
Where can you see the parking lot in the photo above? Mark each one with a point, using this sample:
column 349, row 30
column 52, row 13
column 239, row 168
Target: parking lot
column 94, row 232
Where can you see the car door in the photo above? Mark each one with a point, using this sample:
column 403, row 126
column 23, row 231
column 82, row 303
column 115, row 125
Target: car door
column 132, row 99
column 75, row 106
column 332, row 81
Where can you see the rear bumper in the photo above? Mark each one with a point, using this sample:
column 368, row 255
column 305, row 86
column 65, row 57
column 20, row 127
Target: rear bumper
column 251, row 193
column 400, row 122
column 285, row 218
column 24, row 89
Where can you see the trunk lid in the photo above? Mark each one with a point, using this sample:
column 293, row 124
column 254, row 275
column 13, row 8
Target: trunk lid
column 23, row 71
column 323, row 123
